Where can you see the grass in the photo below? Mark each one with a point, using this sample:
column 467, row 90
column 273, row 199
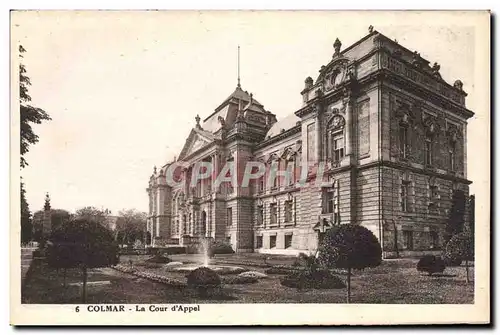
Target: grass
column 393, row 282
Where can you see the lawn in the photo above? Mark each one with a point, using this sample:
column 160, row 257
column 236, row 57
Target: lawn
column 393, row 282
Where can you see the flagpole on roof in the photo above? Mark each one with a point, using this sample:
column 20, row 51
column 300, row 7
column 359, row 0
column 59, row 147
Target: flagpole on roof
column 239, row 86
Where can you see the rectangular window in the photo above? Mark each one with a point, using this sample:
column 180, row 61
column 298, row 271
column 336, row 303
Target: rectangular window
column 298, row 168
column 328, row 200
column 272, row 241
column 452, row 157
column 260, row 215
column 261, row 184
column 229, row 216
column 274, row 213
column 288, row 211
column 404, row 196
column 338, row 147
column 228, row 239
column 403, row 141
column 258, row 242
column 428, row 152
column 433, row 197
column 434, row 240
column 311, row 142
column 408, row 239
column 288, row 241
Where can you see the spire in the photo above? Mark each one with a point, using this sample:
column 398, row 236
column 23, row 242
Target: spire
column 239, row 86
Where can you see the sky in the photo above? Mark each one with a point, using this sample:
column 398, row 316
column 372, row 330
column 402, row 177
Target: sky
column 123, row 88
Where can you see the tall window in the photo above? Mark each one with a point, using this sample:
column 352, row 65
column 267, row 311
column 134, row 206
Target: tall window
column 261, row 184
column 288, row 241
column 328, row 202
column 258, row 242
column 311, row 142
column 288, row 211
column 408, row 239
column 273, row 209
column 404, row 196
column 260, row 215
column 428, row 151
column 403, row 141
column 452, row 156
column 272, row 241
column 229, row 216
column 338, row 146
column 434, row 240
column 433, row 197
column 184, row 225
column 298, row 167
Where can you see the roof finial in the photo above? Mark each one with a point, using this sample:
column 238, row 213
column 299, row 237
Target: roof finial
column 370, row 29
column 239, row 86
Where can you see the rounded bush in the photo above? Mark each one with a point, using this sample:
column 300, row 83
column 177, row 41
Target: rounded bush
column 160, row 259
column 350, row 246
column 431, row 264
column 204, row 280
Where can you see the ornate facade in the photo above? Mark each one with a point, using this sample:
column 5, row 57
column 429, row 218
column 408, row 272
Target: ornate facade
column 380, row 126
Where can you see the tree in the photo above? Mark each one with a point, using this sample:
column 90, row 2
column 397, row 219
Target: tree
column 29, row 114
column 349, row 247
column 461, row 246
column 456, row 219
column 472, row 216
column 94, row 214
column 82, row 243
column 130, row 226
column 26, row 222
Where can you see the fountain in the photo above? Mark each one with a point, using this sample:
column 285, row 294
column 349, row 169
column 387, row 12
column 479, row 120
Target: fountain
column 205, row 262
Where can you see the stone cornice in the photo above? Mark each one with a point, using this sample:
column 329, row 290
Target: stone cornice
column 401, row 166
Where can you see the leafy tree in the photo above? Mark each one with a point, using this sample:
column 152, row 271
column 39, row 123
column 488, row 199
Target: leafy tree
column 130, row 226
column 349, row 246
column 456, row 219
column 26, row 222
column 82, row 243
column 94, row 214
column 461, row 246
column 29, row 114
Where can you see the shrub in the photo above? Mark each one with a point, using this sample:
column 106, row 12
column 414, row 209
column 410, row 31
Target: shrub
column 221, row 247
column 175, row 250
column 431, row 264
column 204, row 280
column 160, row 259
column 461, row 247
column 350, row 246
column 319, row 279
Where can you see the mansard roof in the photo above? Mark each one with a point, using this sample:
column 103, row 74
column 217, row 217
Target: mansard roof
column 283, row 125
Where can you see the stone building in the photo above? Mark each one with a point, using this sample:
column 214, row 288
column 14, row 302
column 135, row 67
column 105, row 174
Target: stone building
column 379, row 127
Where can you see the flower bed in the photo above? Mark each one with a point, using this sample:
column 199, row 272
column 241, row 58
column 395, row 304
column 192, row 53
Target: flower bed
column 150, row 276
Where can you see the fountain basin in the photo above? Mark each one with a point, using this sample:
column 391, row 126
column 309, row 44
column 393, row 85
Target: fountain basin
column 220, row 269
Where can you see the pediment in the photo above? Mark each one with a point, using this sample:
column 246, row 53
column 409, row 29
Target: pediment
column 194, row 142
column 334, row 74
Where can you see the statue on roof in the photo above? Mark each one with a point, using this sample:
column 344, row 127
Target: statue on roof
column 46, row 206
column 197, row 119
column 337, row 46
column 370, row 29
